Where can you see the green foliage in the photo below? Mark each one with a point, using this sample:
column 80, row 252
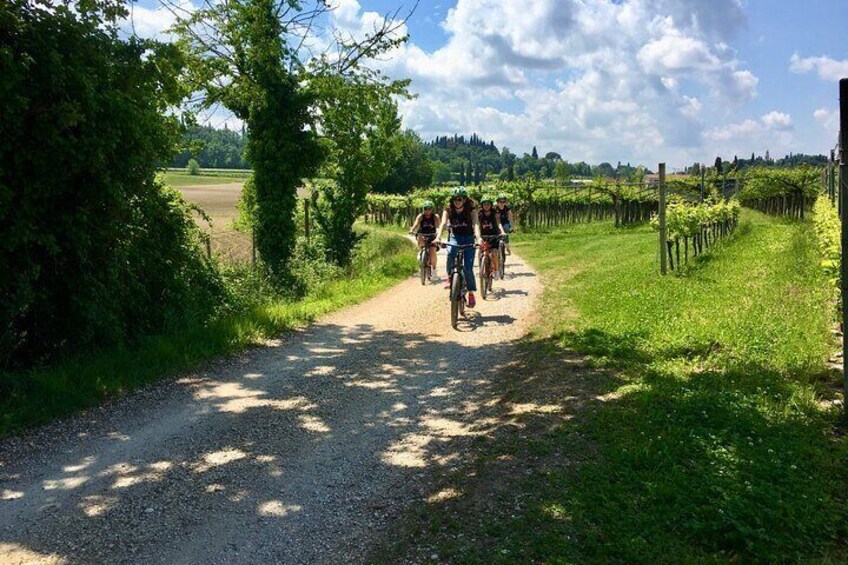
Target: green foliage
column 409, row 166
column 193, row 168
column 212, row 148
column 246, row 206
column 95, row 252
column 761, row 183
column 359, row 123
column 247, row 70
column 828, row 229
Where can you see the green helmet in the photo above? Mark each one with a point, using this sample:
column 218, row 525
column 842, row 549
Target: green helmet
column 502, row 196
column 459, row 191
column 428, row 204
column 487, row 198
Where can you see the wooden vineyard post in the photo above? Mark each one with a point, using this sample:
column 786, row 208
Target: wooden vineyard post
column 663, row 234
column 306, row 218
column 843, row 201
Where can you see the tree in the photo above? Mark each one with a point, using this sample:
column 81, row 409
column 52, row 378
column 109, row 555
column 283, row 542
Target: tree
column 534, row 153
column 553, row 156
column 409, row 168
column 718, row 166
column 562, row 173
column 241, row 54
column 441, row 173
column 462, row 173
column 358, row 121
column 95, row 251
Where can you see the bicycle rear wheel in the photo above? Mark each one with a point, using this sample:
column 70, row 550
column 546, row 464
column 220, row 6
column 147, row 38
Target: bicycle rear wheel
column 455, row 298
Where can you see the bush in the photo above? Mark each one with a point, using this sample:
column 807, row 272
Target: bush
column 95, row 252
column 193, row 167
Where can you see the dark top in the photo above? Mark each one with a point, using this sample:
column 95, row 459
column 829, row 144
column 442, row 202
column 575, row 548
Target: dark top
column 427, row 225
column 504, row 214
column 460, row 221
column 488, row 222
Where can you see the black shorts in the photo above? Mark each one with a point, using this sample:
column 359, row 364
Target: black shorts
column 494, row 244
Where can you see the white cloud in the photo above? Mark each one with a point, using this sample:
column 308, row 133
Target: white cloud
column 152, row 23
column 828, row 69
column 592, row 80
column 773, row 131
column 829, row 120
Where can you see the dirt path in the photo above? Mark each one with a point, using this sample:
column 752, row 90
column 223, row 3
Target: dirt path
column 299, row 452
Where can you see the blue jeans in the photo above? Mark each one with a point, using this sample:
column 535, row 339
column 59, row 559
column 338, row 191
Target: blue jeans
column 469, row 258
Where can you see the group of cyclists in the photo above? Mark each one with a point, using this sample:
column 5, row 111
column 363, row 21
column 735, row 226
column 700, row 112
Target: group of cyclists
column 468, row 225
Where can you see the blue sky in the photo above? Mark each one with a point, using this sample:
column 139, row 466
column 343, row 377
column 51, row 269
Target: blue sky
column 639, row 81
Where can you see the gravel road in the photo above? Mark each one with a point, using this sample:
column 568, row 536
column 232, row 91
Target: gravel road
column 301, row 451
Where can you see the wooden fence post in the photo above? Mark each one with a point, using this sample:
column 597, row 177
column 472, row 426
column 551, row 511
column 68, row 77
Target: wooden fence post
column 663, row 231
column 843, row 201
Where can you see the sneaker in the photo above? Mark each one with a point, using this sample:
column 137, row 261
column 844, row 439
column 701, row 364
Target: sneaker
column 471, row 301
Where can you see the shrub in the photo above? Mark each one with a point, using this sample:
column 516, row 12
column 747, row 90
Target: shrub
column 193, row 167
column 95, row 252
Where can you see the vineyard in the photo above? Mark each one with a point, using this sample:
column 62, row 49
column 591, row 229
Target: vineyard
column 543, row 206
column 702, row 225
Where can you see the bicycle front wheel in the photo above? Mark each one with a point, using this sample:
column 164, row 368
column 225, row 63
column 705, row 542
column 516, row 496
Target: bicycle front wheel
column 455, row 298
column 502, row 262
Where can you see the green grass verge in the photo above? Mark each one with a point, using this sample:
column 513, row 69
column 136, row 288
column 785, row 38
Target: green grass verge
column 698, row 425
column 42, row 395
column 184, row 179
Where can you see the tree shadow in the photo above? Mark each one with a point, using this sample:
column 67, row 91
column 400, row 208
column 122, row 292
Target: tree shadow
column 636, row 462
column 280, row 454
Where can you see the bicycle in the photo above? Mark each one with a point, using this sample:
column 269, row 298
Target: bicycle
column 485, row 267
column 458, row 288
column 424, row 267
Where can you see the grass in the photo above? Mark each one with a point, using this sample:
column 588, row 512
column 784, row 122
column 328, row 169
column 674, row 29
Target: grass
column 42, row 395
column 697, row 425
column 184, row 179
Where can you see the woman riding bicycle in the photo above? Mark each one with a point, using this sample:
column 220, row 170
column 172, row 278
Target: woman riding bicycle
column 490, row 228
column 425, row 228
column 505, row 214
column 464, row 230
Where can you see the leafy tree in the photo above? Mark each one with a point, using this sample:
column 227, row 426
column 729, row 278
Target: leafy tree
column 358, row 120
column 240, row 57
column 441, row 173
column 718, row 166
column 410, row 168
column 193, row 168
column 95, row 252
column 212, row 149
column 462, row 174
column 534, row 154
column 562, row 173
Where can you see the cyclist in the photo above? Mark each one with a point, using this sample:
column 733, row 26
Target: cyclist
column 425, row 226
column 505, row 214
column 464, row 230
column 490, row 226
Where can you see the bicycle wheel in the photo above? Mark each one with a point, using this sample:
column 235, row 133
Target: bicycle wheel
column 455, row 298
column 422, row 265
column 502, row 262
column 482, row 269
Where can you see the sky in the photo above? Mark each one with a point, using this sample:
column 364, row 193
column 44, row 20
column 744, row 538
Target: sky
column 636, row 81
